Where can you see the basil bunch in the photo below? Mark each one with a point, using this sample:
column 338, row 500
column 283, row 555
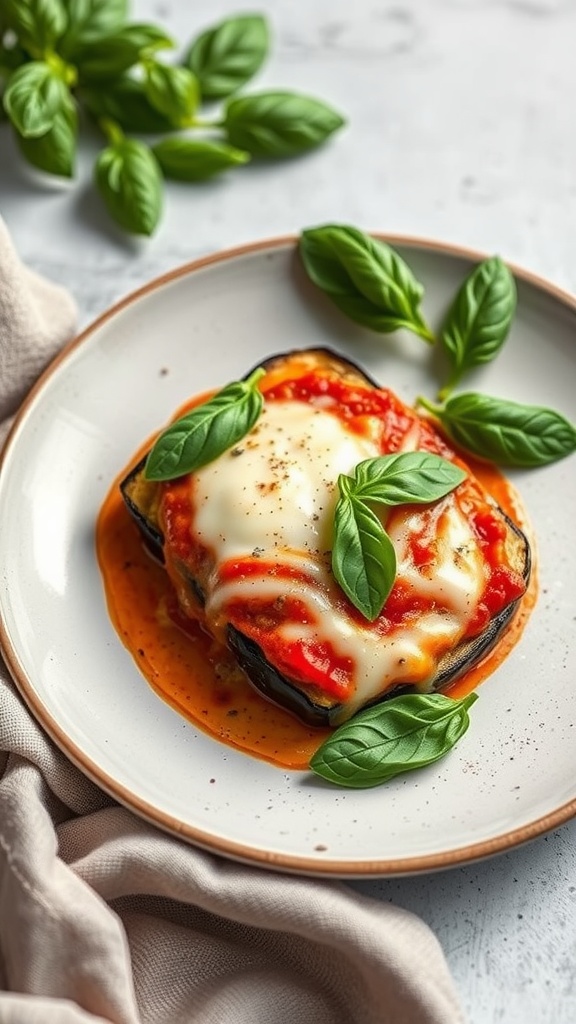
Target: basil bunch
column 398, row 735
column 58, row 57
column 369, row 282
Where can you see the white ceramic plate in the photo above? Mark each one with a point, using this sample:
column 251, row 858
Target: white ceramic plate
column 510, row 778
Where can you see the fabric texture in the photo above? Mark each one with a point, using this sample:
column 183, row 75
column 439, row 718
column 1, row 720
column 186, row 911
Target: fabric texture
column 104, row 918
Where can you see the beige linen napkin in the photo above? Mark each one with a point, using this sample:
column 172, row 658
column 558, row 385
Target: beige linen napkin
column 105, row 918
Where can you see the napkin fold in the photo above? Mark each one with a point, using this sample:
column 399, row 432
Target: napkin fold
column 104, row 918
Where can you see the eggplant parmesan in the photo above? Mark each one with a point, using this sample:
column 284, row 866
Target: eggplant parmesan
column 246, row 541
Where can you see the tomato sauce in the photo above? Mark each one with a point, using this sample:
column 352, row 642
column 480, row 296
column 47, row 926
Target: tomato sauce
column 199, row 677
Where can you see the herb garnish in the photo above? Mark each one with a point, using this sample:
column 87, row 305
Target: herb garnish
column 207, row 431
column 479, row 319
column 363, row 556
column 365, row 278
column 398, row 735
column 507, row 433
column 373, row 286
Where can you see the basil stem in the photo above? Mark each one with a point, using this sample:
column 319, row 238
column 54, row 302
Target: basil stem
column 507, row 433
column 479, row 319
column 363, row 556
column 206, row 432
column 395, row 736
column 365, row 278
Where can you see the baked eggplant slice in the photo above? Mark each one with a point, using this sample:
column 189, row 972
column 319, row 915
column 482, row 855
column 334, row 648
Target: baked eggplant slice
column 246, row 543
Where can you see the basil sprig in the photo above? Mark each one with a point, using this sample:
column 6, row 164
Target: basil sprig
column 62, row 58
column 370, row 283
column 507, row 433
column 205, row 433
column 365, row 278
column 479, row 319
column 363, row 556
column 398, row 735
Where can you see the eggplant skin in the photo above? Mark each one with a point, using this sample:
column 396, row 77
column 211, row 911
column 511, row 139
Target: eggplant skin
column 141, row 497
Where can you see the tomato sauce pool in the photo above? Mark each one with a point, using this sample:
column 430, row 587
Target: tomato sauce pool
column 198, row 677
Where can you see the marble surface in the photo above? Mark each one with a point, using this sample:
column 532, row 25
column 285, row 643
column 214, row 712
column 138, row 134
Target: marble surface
column 460, row 128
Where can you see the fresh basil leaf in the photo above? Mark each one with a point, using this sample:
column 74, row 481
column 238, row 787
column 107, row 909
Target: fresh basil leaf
column 227, row 56
column 365, row 278
column 125, row 102
column 206, row 432
column 109, row 56
column 186, row 159
column 37, row 23
column 279, row 124
column 173, row 91
column 88, row 19
column 406, row 478
column 504, row 432
column 55, row 151
column 363, row 556
column 33, row 97
column 479, row 319
column 129, row 180
column 398, row 735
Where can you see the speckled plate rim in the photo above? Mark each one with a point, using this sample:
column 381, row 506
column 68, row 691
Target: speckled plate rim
column 238, row 851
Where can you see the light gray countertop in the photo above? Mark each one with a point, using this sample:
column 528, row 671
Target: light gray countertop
column 460, row 128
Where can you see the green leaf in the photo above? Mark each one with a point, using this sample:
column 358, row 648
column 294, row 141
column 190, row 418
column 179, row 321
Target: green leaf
column 37, row 23
column 398, row 735
column 504, row 432
column 206, row 432
column 173, row 91
column 33, row 97
column 108, row 56
column 279, row 124
column 406, row 478
column 55, row 151
column 363, row 556
column 186, row 159
column 124, row 101
column 129, row 180
column 479, row 319
column 365, row 278
column 88, row 19
column 227, row 56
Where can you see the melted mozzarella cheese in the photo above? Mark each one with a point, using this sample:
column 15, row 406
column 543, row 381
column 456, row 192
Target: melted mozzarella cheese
column 274, row 496
column 276, row 490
